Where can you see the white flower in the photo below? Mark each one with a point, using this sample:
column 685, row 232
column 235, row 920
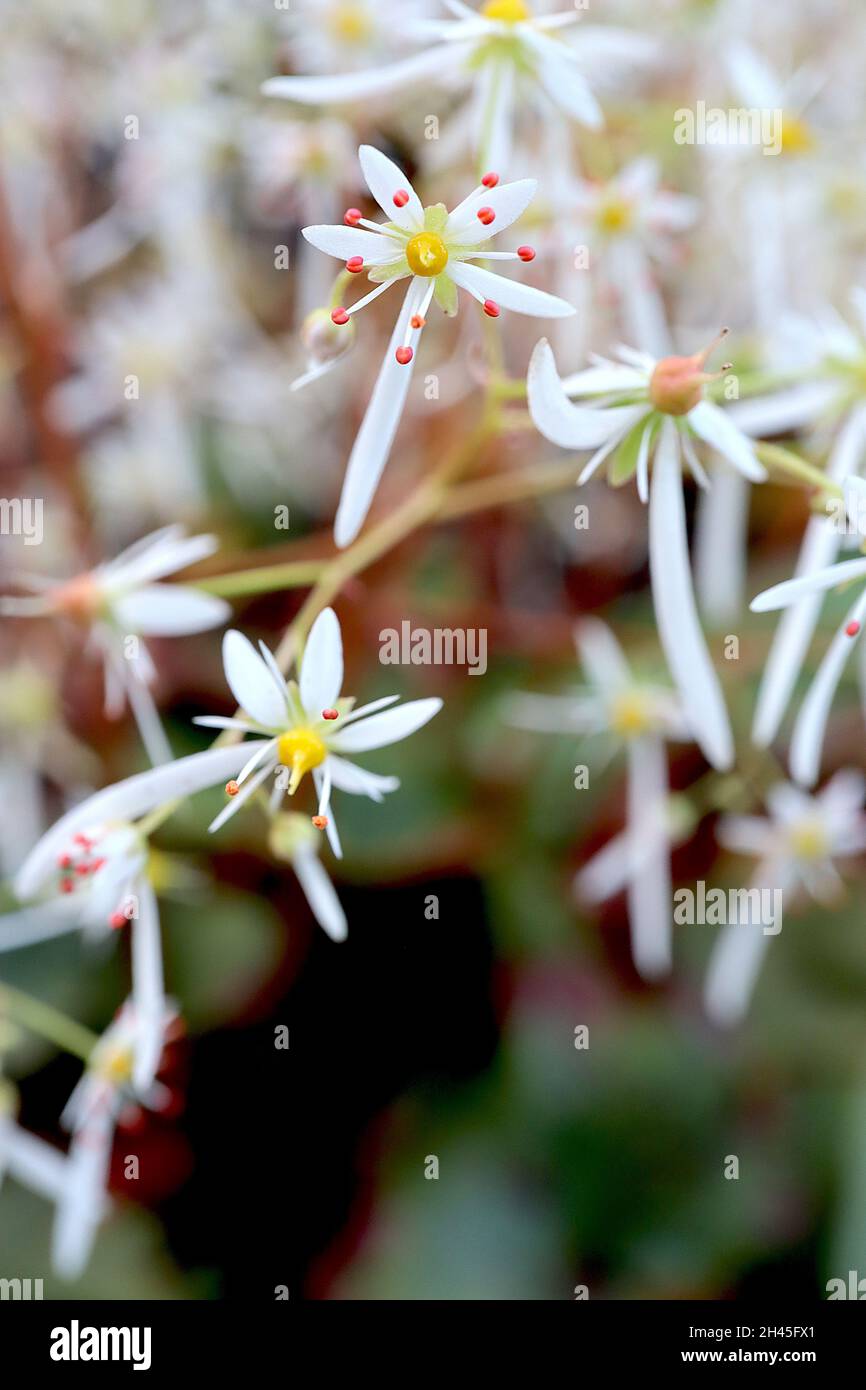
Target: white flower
column 345, row 35
column 106, row 1092
column 307, row 725
column 503, row 49
column 639, row 717
column 432, row 249
column 119, row 600
column 808, row 736
column 639, row 408
column 795, row 847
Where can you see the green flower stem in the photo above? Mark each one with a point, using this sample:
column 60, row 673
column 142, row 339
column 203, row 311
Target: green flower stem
column 264, row 579
column 47, row 1021
column 783, row 461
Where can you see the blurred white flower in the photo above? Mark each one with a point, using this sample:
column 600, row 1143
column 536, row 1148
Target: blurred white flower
column 639, row 718
column 25, row 1157
column 795, row 847
column 431, row 248
column 117, row 603
column 294, row 838
column 636, row 408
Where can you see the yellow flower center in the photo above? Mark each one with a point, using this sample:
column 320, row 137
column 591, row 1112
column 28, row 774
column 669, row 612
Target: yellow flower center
column 350, row 24
column 506, row 11
column 630, row 713
column 809, row 840
column 115, row 1065
column 797, row 138
column 614, row 215
column 427, row 254
column 301, row 750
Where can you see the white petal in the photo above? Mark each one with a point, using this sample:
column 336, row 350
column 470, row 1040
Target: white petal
column 792, row 590
column 389, row 727
column 247, row 791
column 34, row 1163
column 321, row 677
column 720, row 545
column 384, row 179
column 355, row 86
column 565, row 85
column 601, row 656
column 713, row 426
column 345, row 242
column 378, row 428
column 348, row 777
column 508, row 294
column 493, row 119
column 252, row 683
column 128, row 800
column 650, row 898
column 81, row 1208
column 36, row 924
column 570, row 426
column 752, row 835
column 787, row 410
column 170, row 610
column 598, row 381
column 148, row 991
column 807, row 739
column 362, row 710
column 156, row 561
column 508, row 201
column 854, row 490
column 320, row 894
column 676, row 615
column 736, row 959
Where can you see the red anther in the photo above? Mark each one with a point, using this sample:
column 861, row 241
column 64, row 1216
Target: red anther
column 330, row 714
column 490, row 180
column 320, row 822
column 354, row 264
column 526, row 253
column 417, row 321
column 852, row 629
column 82, row 869
column 82, row 840
column 66, row 885
column 404, row 356
column 232, row 788
column 352, row 217
column 118, row 920
column 339, row 315
column 486, row 216
column 64, row 861
column 401, row 198
column 96, row 864
column 491, row 308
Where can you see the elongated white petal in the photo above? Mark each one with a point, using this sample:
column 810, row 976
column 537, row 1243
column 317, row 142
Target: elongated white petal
column 570, row 426
column 345, row 242
column 376, row 435
column 493, row 121
column 599, row 381
column 819, row 581
column 355, row 86
column 320, row 894
column 252, row 683
column 854, row 490
column 148, row 991
column 712, row 425
column 34, row 1163
column 508, row 294
column 601, row 656
column 128, row 800
column 384, row 179
column 173, row 553
column 555, row 714
column 754, row 835
column 170, row 610
column 807, row 739
column 676, row 615
column 321, row 677
column 388, row 727
column 508, row 201
column 84, row 1198
column 36, row 924
column 223, row 721
column 721, row 539
column 738, row 954
column 146, row 714
column 650, row 899
column 562, row 80
column 363, row 710
column 786, row 410
column 348, row 777
column 247, row 791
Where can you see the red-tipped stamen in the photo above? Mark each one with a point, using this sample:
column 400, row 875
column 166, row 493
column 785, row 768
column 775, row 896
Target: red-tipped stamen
column 852, row 629
column 339, row 316
column 526, row 253
column 320, row 822
column 352, row 216
column 491, row 308
column 404, row 356
column 490, row 180
column 232, row 788
column 330, row 714
column 118, row 920
column 64, row 861
column 83, row 840
column 354, row 264
column 401, row 198
column 486, row 216
column 417, row 321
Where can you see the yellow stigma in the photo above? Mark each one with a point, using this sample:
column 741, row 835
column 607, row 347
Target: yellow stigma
column 427, row 254
column 614, row 215
column 630, row 713
column 506, row 11
column 301, row 750
column 115, row 1065
column 809, row 839
column 349, row 23
column 797, row 138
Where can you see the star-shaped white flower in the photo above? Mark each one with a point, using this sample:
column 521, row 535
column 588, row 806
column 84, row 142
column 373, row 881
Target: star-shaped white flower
column 118, row 600
column 433, row 250
column 638, row 409
column 639, row 718
column 795, row 847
